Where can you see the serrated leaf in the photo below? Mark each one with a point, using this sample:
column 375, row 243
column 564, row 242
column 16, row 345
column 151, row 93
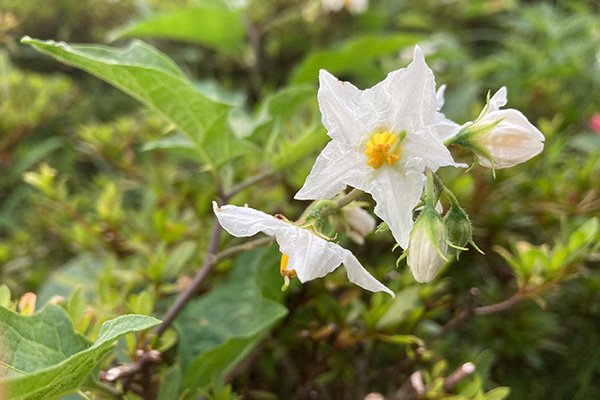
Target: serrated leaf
column 217, row 27
column 46, row 358
column 354, row 55
column 151, row 77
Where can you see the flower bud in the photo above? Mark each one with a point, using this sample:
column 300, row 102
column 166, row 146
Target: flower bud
column 458, row 226
column 427, row 245
column 359, row 223
column 501, row 138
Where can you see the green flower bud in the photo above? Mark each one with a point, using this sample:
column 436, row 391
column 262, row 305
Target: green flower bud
column 458, row 226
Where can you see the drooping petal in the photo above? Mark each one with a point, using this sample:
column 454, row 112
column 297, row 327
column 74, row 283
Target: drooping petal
column 246, row 221
column 512, row 141
column 309, row 255
column 336, row 166
column 340, row 105
column 396, row 194
column 358, row 274
column 405, row 99
column 313, row 257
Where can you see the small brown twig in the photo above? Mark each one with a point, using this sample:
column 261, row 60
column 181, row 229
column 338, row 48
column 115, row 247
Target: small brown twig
column 459, row 375
column 127, row 370
column 247, row 183
column 201, row 275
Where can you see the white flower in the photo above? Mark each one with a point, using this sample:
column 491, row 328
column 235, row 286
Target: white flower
column 354, row 6
column 304, row 253
column 427, row 246
column 383, row 139
column 501, row 138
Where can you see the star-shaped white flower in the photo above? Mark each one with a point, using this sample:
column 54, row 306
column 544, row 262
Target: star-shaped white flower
column 383, row 139
column 305, row 254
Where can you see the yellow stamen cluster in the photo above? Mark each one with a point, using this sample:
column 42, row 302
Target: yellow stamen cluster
column 381, row 149
column 283, row 267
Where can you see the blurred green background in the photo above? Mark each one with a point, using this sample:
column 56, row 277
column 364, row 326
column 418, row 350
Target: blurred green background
column 116, row 215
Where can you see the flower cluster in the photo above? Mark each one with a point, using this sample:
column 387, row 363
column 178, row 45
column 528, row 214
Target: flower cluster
column 388, row 141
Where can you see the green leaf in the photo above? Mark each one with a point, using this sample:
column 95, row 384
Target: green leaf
column 218, row 328
column 498, row 393
column 404, row 302
column 45, row 357
column 152, row 78
column 217, row 27
column 169, row 387
column 355, row 55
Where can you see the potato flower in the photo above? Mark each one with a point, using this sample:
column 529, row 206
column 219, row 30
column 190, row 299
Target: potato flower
column 305, row 254
column 383, row 140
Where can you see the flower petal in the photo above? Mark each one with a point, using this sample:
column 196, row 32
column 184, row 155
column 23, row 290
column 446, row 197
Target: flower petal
column 359, row 275
column 498, row 100
column 309, row 255
column 427, row 149
column 340, row 105
column 336, row 166
column 405, row 99
column 246, row 221
column 396, row 194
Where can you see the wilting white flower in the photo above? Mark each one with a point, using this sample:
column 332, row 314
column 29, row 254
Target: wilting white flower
column 305, row 254
column 427, row 246
column 383, row 139
column 360, row 223
column 501, row 138
column 354, row 6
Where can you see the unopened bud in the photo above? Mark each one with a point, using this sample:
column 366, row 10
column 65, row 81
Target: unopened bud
column 458, row 226
column 501, row 138
column 427, row 245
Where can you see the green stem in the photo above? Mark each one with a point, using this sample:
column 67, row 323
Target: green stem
column 341, row 203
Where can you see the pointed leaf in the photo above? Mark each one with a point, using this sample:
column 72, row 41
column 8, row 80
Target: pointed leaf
column 152, row 78
column 45, row 357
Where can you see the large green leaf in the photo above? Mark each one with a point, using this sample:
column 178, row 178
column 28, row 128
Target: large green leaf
column 354, row 55
column 217, row 27
column 152, row 78
column 219, row 328
column 45, row 358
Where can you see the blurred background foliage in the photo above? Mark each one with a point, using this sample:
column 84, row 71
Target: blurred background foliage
column 105, row 204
